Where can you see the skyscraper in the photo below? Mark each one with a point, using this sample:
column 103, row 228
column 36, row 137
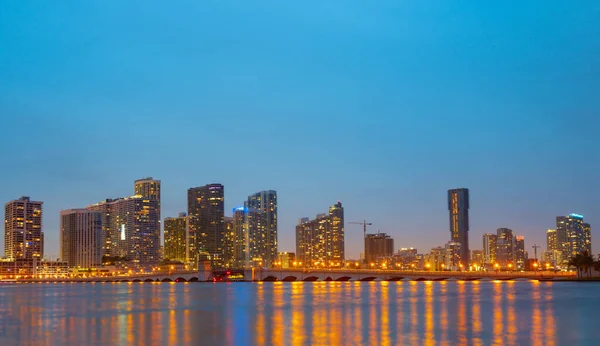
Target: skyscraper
column 81, row 237
column 377, row 246
column 505, row 247
column 458, row 205
column 176, row 238
column 229, row 243
column 454, row 256
column 23, row 235
column 573, row 236
column 131, row 225
column 206, row 212
column 320, row 242
column 250, row 245
column 265, row 202
column 489, row 248
column 553, row 252
column 520, row 253
column 147, row 187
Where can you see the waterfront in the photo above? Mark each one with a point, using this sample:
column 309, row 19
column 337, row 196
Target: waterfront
column 300, row 313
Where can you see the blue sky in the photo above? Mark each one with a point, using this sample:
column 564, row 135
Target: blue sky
column 383, row 105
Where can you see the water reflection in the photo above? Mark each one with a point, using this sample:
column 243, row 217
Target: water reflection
column 332, row 313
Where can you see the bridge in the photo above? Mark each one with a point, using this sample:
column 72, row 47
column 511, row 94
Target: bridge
column 309, row 275
column 290, row 275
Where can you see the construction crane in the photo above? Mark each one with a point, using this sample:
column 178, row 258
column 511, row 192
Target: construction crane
column 535, row 247
column 365, row 224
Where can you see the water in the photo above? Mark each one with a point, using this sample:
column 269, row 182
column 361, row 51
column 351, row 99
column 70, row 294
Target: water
column 311, row 313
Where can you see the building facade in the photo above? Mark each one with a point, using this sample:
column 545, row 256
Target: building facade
column 505, row 248
column 176, row 246
column 477, row 259
column 454, row 256
column 458, row 205
column 206, row 212
column 265, row 203
column 250, row 246
column 320, row 242
column 378, row 246
column 520, row 254
column 573, row 236
column 489, row 248
column 23, row 234
column 81, row 240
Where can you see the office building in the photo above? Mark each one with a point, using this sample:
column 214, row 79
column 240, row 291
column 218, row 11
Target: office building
column 206, row 217
column 489, row 248
column 23, row 234
column 505, row 248
column 250, row 245
column 379, row 246
column 320, row 242
column 265, row 203
column 81, row 238
column 520, row 254
column 552, row 249
column 573, row 236
column 176, row 246
column 458, row 205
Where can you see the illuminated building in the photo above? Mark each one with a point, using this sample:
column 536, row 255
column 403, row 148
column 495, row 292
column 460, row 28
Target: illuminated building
column 520, row 257
column 229, row 243
column 287, row 260
column 206, row 212
column 251, row 248
column 454, row 256
column 131, row 225
column 573, row 236
column 551, row 245
column 81, row 238
column 147, row 187
column 505, row 247
column 176, row 239
column 320, row 242
column 265, row 203
column 458, row 205
column 477, row 258
column 489, row 248
column 437, row 258
column 378, row 246
column 23, row 235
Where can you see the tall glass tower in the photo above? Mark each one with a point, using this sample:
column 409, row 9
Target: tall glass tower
column 458, row 205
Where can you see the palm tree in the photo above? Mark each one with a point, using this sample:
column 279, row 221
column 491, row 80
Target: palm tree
column 583, row 262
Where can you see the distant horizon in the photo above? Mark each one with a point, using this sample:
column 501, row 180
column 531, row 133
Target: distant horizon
column 382, row 106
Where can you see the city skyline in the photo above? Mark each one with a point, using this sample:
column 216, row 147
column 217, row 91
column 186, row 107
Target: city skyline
column 382, row 107
column 156, row 196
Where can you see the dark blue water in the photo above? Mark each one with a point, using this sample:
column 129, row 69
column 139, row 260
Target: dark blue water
column 301, row 313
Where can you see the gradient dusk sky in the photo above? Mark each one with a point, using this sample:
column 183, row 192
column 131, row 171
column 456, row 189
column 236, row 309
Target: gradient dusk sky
column 383, row 105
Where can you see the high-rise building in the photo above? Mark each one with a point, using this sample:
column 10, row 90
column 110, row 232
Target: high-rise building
column 81, row 237
column 133, row 228
column 287, row 260
column 229, row 243
column 23, row 235
column 573, row 236
column 265, row 203
column 206, row 213
column 551, row 246
column 505, row 247
column 458, row 205
column 454, row 256
column 489, row 248
column 147, row 187
column 320, row 242
column 520, row 254
column 378, row 246
column 176, row 239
